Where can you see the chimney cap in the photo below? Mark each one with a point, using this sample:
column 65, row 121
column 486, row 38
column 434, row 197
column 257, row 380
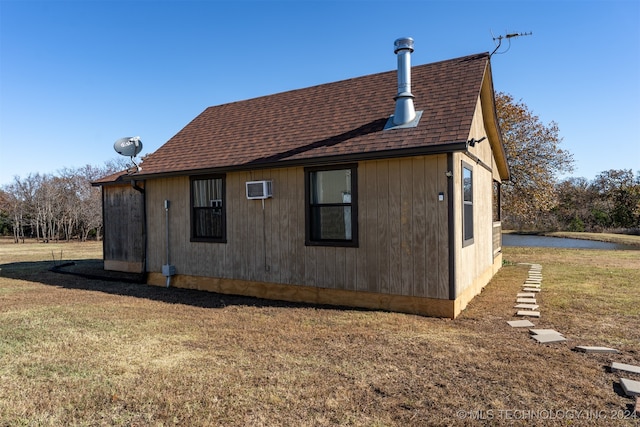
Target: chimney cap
column 403, row 43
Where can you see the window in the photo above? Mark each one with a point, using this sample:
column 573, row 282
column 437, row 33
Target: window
column 497, row 202
column 208, row 209
column 331, row 199
column 467, row 205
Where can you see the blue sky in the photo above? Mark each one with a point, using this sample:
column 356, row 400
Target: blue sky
column 77, row 75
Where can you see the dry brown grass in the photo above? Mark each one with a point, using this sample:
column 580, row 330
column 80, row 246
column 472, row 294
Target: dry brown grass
column 88, row 352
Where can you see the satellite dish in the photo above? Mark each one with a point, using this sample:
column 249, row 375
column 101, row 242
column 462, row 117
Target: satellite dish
column 129, row 146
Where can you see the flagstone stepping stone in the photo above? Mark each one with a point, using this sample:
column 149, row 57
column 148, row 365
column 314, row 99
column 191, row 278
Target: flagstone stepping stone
column 531, row 289
column 526, row 295
column 527, row 306
column 531, row 285
column 520, row 324
column 526, row 301
column 630, row 387
column 543, row 331
column 528, row 313
column 615, row 366
column 530, row 280
column 589, row 349
column 549, row 338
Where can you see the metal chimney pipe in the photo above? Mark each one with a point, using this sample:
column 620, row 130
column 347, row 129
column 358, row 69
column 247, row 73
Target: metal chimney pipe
column 405, row 111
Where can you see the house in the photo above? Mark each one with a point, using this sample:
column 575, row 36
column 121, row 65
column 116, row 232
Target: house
column 379, row 191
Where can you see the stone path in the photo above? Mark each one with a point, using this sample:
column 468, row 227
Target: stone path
column 546, row 336
column 520, row 324
column 587, row 349
column 527, row 307
column 528, row 313
column 526, row 302
column 625, row 368
column 630, row 387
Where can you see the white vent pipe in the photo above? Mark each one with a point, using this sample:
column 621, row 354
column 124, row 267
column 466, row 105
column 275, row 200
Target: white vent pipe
column 405, row 111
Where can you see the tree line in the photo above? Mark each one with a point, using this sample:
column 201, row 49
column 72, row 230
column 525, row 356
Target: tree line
column 49, row 207
column 610, row 202
column 536, row 199
column 65, row 206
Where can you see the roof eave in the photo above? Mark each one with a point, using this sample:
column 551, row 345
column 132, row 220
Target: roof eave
column 490, row 115
column 449, row 147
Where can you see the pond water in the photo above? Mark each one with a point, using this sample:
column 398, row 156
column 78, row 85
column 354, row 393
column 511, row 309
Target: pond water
column 558, row 242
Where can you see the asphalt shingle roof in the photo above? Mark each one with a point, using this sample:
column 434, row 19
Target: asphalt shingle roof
column 334, row 119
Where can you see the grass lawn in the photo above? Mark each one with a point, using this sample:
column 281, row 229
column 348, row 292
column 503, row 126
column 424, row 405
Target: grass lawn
column 89, row 352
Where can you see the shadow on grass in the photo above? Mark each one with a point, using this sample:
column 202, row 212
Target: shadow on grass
column 89, row 275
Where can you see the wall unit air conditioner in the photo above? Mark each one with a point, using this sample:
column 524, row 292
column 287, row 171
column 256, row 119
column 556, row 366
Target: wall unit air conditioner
column 258, row 190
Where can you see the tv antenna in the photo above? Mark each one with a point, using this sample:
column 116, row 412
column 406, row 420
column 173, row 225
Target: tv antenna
column 507, row 36
column 129, row 146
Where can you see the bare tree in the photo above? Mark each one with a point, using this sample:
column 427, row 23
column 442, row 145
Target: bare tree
column 51, row 207
column 90, row 201
column 20, row 195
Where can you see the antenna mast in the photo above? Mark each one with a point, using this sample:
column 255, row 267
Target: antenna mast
column 508, row 36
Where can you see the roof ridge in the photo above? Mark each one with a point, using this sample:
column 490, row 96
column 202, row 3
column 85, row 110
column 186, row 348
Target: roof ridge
column 333, row 120
column 458, row 59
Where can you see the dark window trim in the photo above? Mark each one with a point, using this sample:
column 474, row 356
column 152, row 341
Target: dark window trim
column 353, row 243
column 497, row 201
column 451, row 227
column 469, row 241
column 223, row 238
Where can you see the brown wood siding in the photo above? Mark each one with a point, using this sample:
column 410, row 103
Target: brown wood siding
column 475, row 260
column 123, row 210
column 392, row 249
column 403, row 246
